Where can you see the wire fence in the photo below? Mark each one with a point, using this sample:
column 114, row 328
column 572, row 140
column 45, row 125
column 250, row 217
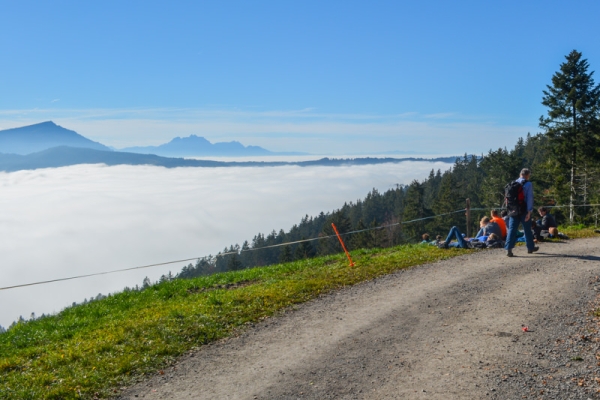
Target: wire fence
column 226, row 253
column 264, row 247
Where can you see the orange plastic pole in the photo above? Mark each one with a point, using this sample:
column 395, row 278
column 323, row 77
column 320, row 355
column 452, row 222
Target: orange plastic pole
column 343, row 245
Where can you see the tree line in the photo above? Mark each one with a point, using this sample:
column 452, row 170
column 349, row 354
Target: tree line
column 563, row 157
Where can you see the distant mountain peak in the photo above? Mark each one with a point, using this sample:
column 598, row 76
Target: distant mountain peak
column 44, row 135
column 51, row 123
column 192, row 139
column 198, row 146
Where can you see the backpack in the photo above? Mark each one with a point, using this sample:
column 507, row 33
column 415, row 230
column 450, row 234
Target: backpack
column 476, row 244
column 514, row 198
column 495, row 244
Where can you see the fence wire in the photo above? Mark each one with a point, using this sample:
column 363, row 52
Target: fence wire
column 261, row 248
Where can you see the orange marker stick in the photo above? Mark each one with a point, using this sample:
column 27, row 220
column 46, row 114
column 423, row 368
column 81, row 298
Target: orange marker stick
column 343, row 245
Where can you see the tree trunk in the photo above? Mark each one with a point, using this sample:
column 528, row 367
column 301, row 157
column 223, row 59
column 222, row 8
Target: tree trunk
column 572, row 196
column 573, row 162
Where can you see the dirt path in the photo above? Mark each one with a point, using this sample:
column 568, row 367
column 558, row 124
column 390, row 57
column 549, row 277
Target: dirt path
column 449, row 330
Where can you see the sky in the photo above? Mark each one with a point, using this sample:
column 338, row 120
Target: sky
column 336, row 77
column 63, row 222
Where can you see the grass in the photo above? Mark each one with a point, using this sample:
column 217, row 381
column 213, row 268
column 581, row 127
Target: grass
column 578, row 231
column 91, row 350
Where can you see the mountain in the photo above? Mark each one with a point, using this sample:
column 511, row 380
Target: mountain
column 42, row 136
column 198, row 146
column 64, row 156
column 46, row 135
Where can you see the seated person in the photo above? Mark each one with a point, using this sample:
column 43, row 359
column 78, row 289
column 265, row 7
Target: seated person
column 500, row 222
column 494, row 241
column 460, row 240
column 436, row 242
column 542, row 226
column 504, row 216
column 488, row 227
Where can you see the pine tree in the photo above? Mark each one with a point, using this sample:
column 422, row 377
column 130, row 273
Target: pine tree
column 572, row 124
column 331, row 245
column 414, row 210
column 361, row 240
column 499, row 167
column 304, row 250
column 145, row 283
column 234, row 263
column 286, row 255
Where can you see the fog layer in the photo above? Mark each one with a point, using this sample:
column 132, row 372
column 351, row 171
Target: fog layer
column 62, row 222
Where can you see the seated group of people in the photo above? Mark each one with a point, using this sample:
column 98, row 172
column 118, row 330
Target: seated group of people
column 492, row 232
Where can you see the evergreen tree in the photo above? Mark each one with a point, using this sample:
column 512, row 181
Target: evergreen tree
column 414, row 209
column 331, row 245
column 572, row 124
column 246, row 256
column 145, row 283
column 234, row 263
column 286, row 255
column 499, row 168
column 446, row 202
column 304, row 250
column 361, row 240
column 431, row 187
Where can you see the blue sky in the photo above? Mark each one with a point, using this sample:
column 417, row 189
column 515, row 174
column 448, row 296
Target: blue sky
column 323, row 77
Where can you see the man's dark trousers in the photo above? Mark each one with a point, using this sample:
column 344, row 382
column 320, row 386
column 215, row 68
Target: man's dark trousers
column 513, row 227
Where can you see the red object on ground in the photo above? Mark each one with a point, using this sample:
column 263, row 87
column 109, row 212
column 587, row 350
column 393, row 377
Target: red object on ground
column 525, row 329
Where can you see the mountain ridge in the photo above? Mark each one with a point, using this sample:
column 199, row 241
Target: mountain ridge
column 199, row 146
column 63, row 156
column 44, row 135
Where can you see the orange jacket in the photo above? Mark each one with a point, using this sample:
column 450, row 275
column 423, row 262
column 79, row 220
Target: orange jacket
column 501, row 224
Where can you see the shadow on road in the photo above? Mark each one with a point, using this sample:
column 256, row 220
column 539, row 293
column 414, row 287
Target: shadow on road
column 587, row 258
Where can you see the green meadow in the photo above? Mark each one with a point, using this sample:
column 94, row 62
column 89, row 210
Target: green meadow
column 93, row 349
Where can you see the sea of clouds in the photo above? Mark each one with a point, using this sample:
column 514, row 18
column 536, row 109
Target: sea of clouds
column 63, row 222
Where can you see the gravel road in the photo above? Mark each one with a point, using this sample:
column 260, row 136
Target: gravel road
column 449, row 330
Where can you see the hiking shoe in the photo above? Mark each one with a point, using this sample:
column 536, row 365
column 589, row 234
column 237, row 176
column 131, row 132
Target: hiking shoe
column 509, row 253
column 533, row 250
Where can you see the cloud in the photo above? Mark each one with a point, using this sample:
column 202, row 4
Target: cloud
column 55, row 101
column 70, row 221
column 439, row 115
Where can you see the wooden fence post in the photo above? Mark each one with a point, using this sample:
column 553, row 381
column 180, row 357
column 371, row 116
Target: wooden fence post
column 468, row 214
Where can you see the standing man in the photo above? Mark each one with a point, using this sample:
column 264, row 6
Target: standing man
column 522, row 215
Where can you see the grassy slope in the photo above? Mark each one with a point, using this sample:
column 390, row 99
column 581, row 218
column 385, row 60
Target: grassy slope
column 88, row 350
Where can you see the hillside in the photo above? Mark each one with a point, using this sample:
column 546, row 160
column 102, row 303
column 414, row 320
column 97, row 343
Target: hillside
column 108, row 343
column 34, row 138
column 447, row 330
column 456, row 314
column 63, row 156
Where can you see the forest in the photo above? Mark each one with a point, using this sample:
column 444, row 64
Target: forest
column 565, row 175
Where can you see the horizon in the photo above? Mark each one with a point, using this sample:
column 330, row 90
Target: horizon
column 342, row 78
column 284, row 155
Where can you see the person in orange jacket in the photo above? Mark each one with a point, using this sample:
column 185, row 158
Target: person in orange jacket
column 498, row 220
